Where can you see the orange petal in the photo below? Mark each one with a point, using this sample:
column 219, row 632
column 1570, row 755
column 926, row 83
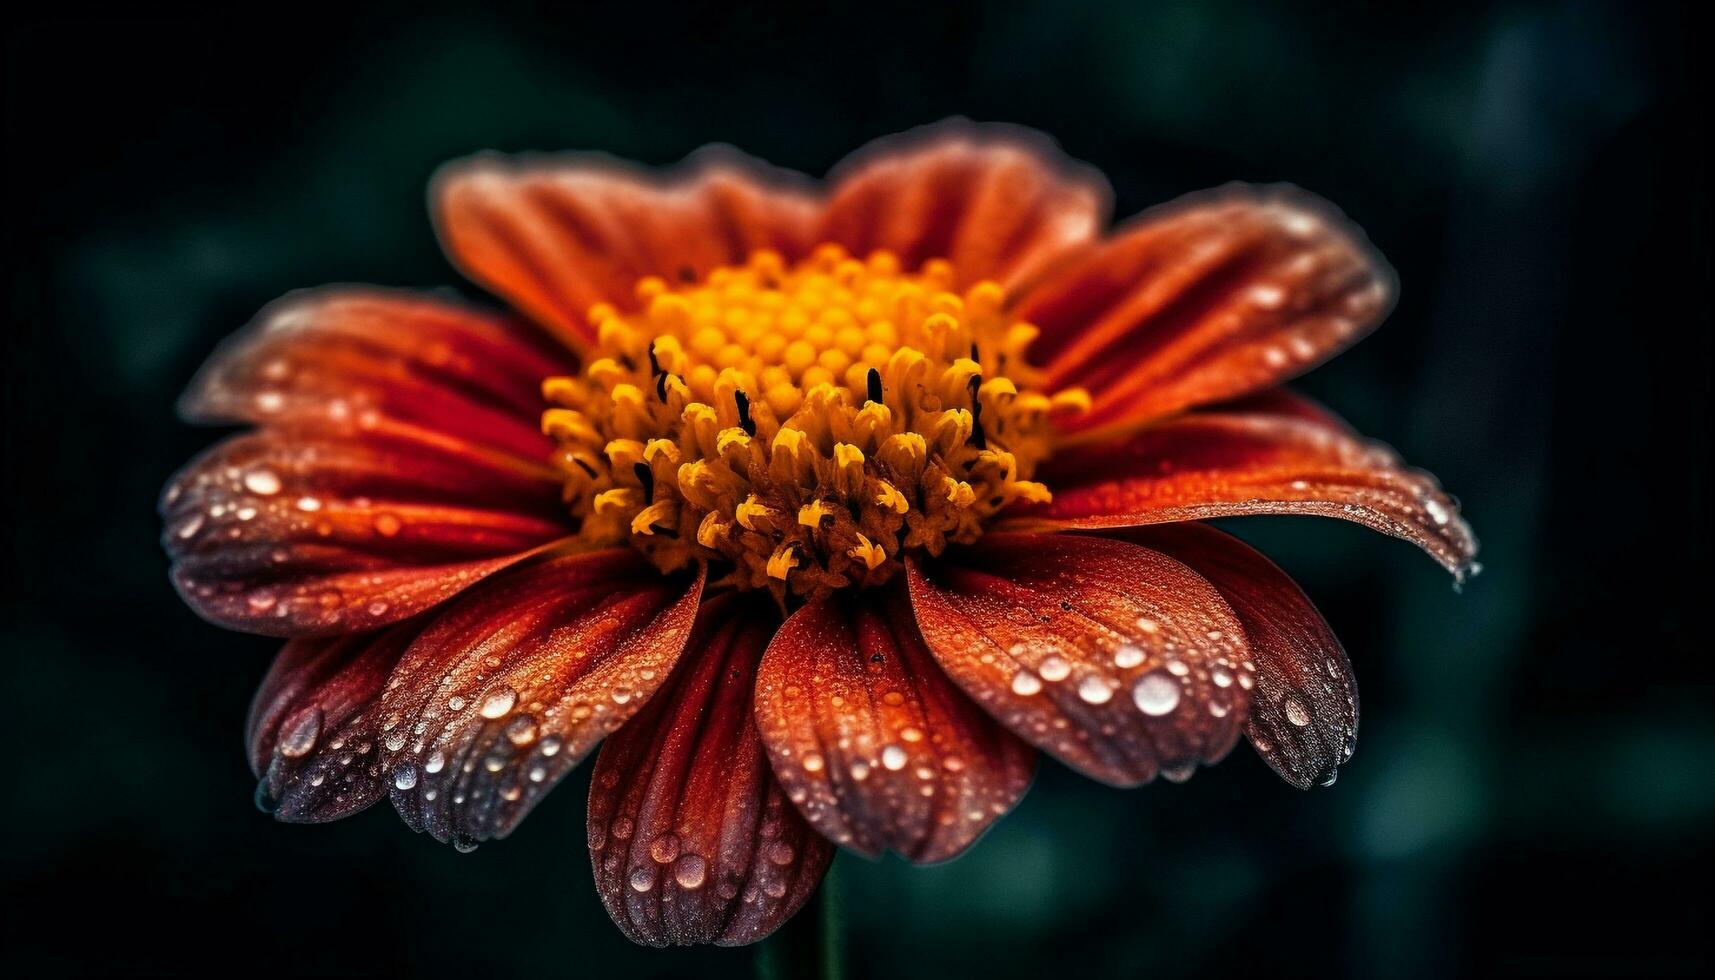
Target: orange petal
column 292, row 532
column 1207, row 298
column 870, row 739
column 1115, row 659
column 315, row 689
column 999, row 202
column 497, row 696
column 1304, row 711
column 556, row 235
column 1268, row 455
column 356, row 361
column 691, row 838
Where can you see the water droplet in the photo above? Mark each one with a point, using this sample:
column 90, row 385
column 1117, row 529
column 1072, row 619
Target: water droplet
column 521, row 730
column 435, row 763
column 664, row 848
column 388, row 525
column 406, row 777
column 893, row 757
column 1155, row 693
column 691, row 871
column 1025, row 683
column 781, row 852
column 1053, row 668
column 1127, row 657
column 262, row 482
column 1221, row 678
column 813, row 763
column 1094, row 690
column 1436, row 511
column 551, row 745
column 1296, row 713
column 300, row 733
column 498, row 701
column 642, row 879
column 464, row 843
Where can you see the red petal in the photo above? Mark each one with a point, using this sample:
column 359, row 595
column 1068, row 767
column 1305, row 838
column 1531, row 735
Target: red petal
column 556, row 235
column 497, row 696
column 1205, row 299
column 870, row 739
column 999, row 202
column 691, row 838
column 313, row 691
column 353, row 361
column 1304, row 711
column 292, row 532
column 1113, row 658
column 1274, row 455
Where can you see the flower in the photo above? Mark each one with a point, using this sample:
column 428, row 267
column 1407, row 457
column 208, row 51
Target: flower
column 826, row 510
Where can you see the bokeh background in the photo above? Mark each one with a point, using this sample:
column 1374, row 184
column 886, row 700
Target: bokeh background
column 1531, row 794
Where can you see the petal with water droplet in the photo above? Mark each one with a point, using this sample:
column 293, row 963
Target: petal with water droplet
column 571, row 631
column 1272, row 454
column 350, row 534
column 1010, row 602
column 398, row 461
column 314, row 692
column 1304, row 711
column 362, row 360
column 683, row 803
column 1206, row 298
column 903, row 759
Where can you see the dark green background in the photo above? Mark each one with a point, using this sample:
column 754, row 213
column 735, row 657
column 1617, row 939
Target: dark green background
column 1531, row 791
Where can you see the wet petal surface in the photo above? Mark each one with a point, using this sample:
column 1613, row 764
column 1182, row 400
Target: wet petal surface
column 1114, row 658
column 872, row 741
column 1304, row 711
column 691, row 838
column 1203, row 299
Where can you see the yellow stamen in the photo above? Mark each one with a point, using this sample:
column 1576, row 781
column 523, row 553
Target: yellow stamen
column 805, row 423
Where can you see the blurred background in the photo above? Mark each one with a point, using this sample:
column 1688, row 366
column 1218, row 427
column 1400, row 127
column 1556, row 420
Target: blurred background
column 1532, row 785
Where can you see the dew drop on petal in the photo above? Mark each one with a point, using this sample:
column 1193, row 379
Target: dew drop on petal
column 1155, row 694
column 498, row 701
column 1024, row 683
column 1296, row 713
column 690, row 871
column 1094, row 690
column 664, row 848
column 642, row 879
column 406, row 777
column 1053, row 669
column 1127, row 656
column 893, row 757
column 301, row 734
column 262, row 482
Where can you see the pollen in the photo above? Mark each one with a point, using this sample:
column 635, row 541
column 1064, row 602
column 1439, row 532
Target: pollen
column 804, row 426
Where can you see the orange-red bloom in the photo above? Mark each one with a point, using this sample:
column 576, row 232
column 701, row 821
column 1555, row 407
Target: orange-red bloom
column 825, row 508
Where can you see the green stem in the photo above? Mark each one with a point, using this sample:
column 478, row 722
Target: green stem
column 812, row 944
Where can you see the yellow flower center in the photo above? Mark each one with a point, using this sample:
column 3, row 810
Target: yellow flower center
column 806, row 425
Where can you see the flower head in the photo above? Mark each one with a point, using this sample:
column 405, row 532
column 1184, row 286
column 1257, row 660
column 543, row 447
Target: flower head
column 825, row 508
